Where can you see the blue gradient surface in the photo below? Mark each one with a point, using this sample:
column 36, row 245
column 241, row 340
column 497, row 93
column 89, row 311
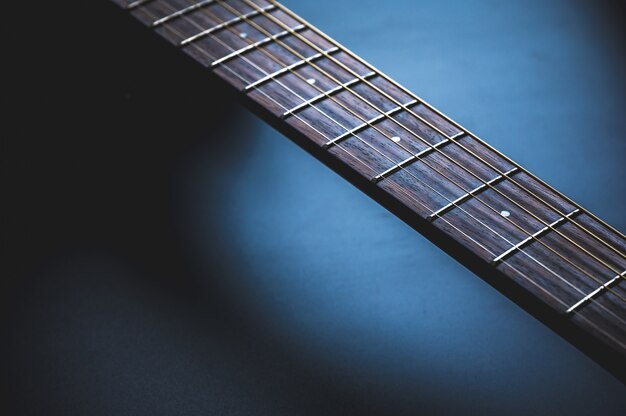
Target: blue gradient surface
column 175, row 255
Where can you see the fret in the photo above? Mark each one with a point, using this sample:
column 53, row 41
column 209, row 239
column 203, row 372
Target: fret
column 254, row 24
column 136, row 3
column 604, row 314
column 290, row 49
column 494, row 233
column 570, row 280
column 231, row 22
column 504, row 219
column 156, row 9
column 256, row 45
column 405, row 134
column 368, row 151
column 566, row 242
column 368, row 101
column 325, row 74
column 357, row 141
column 411, row 159
column 572, row 243
column 523, row 202
column 534, row 268
column 364, row 149
column 487, row 206
column 331, row 66
column 580, row 273
column 181, row 27
column 225, row 33
column 609, row 252
column 292, row 88
column 181, row 12
column 541, row 249
column 295, row 65
column 439, row 175
column 602, row 317
column 471, row 193
column 292, row 69
column 534, row 236
column 418, row 192
column 289, row 88
column 455, row 173
column 313, row 80
column 524, row 211
column 321, row 96
column 364, row 125
column 596, row 292
column 416, row 121
column 323, row 77
column 334, row 119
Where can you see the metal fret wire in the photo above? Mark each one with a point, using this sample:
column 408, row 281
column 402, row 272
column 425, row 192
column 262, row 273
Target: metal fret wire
column 458, row 126
column 485, row 183
column 136, row 3
column 594, row 293
column 178, row 13
column 356, row 158
column 222, row 25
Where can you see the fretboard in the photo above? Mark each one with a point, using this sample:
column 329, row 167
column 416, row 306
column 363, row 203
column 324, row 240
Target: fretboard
column 405, row 150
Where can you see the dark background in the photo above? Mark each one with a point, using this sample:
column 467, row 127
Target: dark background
column 168, row 253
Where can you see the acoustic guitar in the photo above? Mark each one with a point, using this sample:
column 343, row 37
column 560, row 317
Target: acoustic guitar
column 89, row 331
column 553, row 257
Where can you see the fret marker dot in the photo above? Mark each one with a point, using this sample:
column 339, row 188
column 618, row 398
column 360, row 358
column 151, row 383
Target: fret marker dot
column 395, row 139
column 505, row 213
column 243, row 35
column 311, row 81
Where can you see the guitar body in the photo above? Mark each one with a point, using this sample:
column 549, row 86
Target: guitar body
column 181, row 256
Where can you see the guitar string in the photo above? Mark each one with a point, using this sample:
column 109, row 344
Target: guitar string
column 532, row 236
column 452, row 202
column 572, row 220
column 619, row 273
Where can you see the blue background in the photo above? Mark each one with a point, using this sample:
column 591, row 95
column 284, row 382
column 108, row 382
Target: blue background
column 175, row 255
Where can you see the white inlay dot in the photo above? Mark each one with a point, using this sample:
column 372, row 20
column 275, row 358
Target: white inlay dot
column 311, row 81
column 243, row 35
column 505, row 213
column 395, row 139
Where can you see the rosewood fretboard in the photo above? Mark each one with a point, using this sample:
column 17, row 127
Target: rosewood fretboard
column 408, row 152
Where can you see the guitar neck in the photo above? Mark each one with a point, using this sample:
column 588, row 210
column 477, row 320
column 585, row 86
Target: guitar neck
column 437, row 175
